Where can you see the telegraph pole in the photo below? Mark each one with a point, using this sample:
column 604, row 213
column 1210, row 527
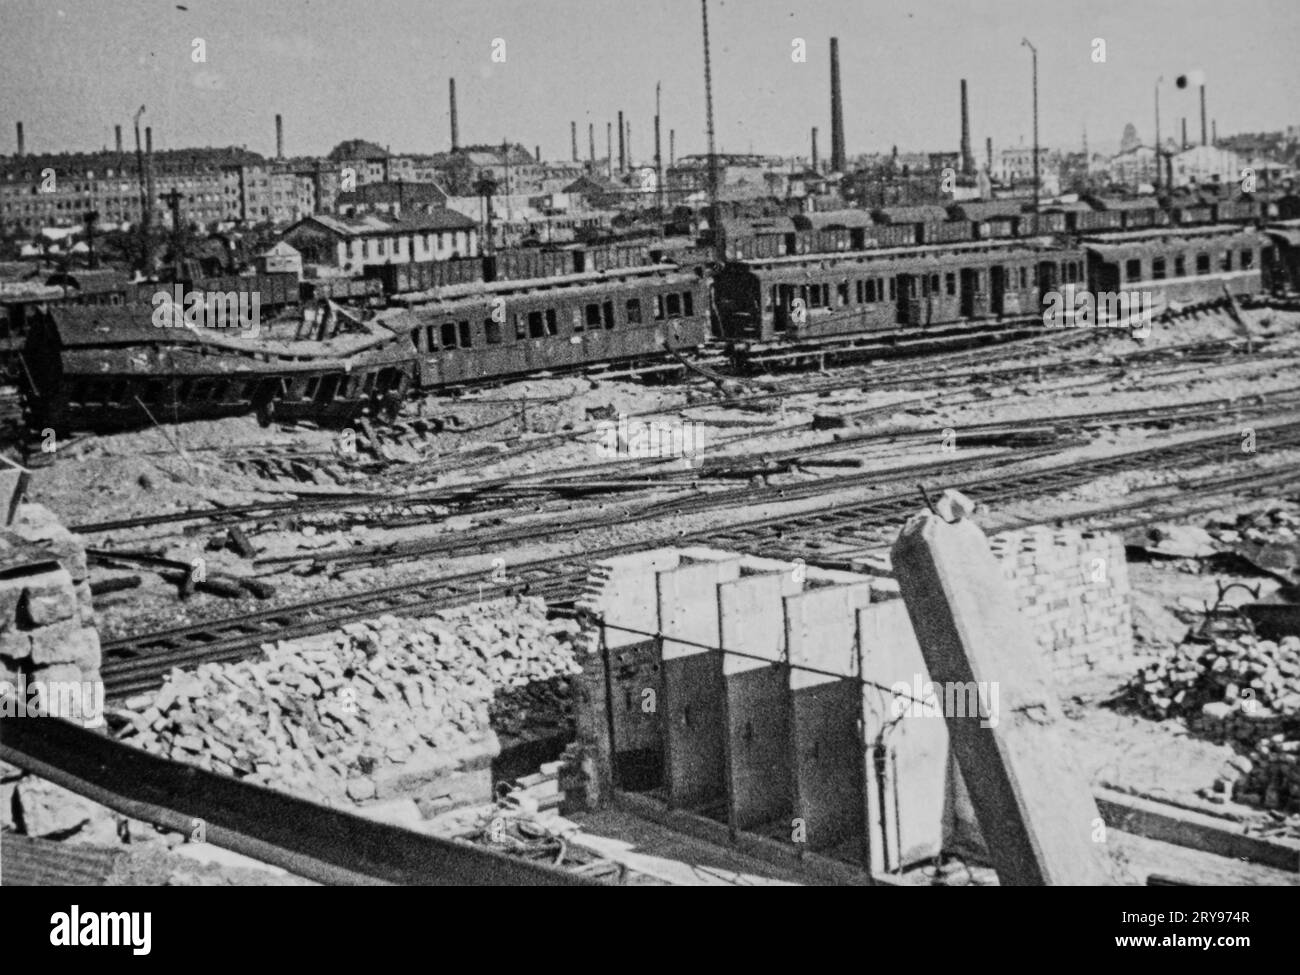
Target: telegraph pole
column 714, row 222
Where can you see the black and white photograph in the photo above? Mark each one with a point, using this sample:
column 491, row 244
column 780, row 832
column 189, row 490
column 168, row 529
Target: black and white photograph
column 651, row 443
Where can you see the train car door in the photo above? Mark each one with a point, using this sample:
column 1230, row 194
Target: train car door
column 1048, row 276
column 998, row 289
column 781, row 310
column 969, row 284
column 906, row 295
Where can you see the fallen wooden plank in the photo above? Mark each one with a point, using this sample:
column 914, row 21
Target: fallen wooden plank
column 1197, row 831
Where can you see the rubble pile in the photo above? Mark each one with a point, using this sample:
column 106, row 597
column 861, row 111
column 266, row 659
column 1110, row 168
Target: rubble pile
column 1244, row 691
column 326, row 717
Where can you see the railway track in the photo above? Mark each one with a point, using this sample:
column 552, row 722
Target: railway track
column 832, row 533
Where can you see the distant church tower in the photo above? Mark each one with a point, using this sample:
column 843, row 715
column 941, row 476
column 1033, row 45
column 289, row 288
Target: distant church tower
column 1130, row 139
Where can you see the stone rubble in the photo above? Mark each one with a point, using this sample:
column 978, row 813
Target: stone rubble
column 326, row 717
column 1243, row 691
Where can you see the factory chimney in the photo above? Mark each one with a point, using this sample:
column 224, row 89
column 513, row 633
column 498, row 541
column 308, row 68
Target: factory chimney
column 1214, row 131
column 1184, row 131
column 455, row 128
column 609, row 149
column 622, row 145
column 279, row 136
column 837, row 110
column 20, row 140
column 967, row 161
column 573, row 138
column 1204, row 133
column 117, row 134
column 591, row 145
column 988, row 152
column 814, row 148
column 672, row 147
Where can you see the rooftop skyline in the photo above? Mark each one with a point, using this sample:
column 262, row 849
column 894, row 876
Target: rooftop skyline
column 73, row 69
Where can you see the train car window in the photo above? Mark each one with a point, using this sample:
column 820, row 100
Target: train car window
column 893, row 289
column 688, row 304
column 1024, row 278
column 552, row 326
column 950, row 283
column 842, row 294
column 1202, row 263
column 1247, row 259
column 578, row 325
column 463, row 328
column 1226, row 263
column 593, row 315
column 308, row 391
column 449, row 335
column 815, row 296
column 769, row 299
column 343, row 387
column 535, row 328
column 1158, row 269
column 608, row 309
column 492, row 331
column 674, row 301
column 1180, row 266
column 659, row 307
column 1133, row 269
column 868, row 291
column 369, row 384
column 634, row 311
column 430, row 342
column 415, row 339
column 521, row 328
column 858, row 291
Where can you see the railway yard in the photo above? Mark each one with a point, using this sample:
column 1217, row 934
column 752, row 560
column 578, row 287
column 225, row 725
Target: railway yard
column 495, row 517
column 229, row 561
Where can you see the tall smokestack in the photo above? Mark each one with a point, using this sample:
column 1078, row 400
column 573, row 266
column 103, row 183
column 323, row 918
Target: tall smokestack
column 537, row 153
column 591, row 144
column 1204, row 132
column 967, row 161
column 609, row 147
column 622, row 145
column 814, row 148
column 1214, row 131
column 988, row 152
column 117, row 136
column 629, row 144
column 573, row 138
column 148, row 140
column 672, row 147
column 837, row 110
column 1184, row 131
column 279, row 136
column 455, row 125
column 19, row 129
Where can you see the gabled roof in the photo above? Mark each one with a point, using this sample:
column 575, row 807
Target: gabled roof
column 918, row 214
column 371, row 225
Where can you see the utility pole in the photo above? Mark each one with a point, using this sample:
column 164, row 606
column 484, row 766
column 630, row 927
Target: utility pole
column 714, row 222
column 659, row 159
column 1034, row 51
column 146, row 261
column 1159, row 162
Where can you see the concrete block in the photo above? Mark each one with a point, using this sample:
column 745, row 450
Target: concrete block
column 694, row 698
column 67, row 642
column 758, row 697
column 1032, row 801
column 47, row 599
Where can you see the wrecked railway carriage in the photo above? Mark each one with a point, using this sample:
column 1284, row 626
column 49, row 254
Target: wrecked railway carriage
column 108, row 367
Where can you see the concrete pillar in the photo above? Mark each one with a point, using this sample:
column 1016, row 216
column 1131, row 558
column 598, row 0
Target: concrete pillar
column 826, row 707
column 752, row 621
column 1033, row 803
column 693, row 701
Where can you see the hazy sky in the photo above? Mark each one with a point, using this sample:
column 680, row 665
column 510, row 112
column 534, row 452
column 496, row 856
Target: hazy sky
column 378, row 69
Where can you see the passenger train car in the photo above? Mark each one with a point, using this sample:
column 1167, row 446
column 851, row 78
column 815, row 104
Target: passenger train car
column 510, row 328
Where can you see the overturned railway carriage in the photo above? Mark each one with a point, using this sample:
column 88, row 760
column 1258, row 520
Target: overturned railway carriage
column 816, row 297
column 1182, row 265
column 501, row 329
column 107, row 368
